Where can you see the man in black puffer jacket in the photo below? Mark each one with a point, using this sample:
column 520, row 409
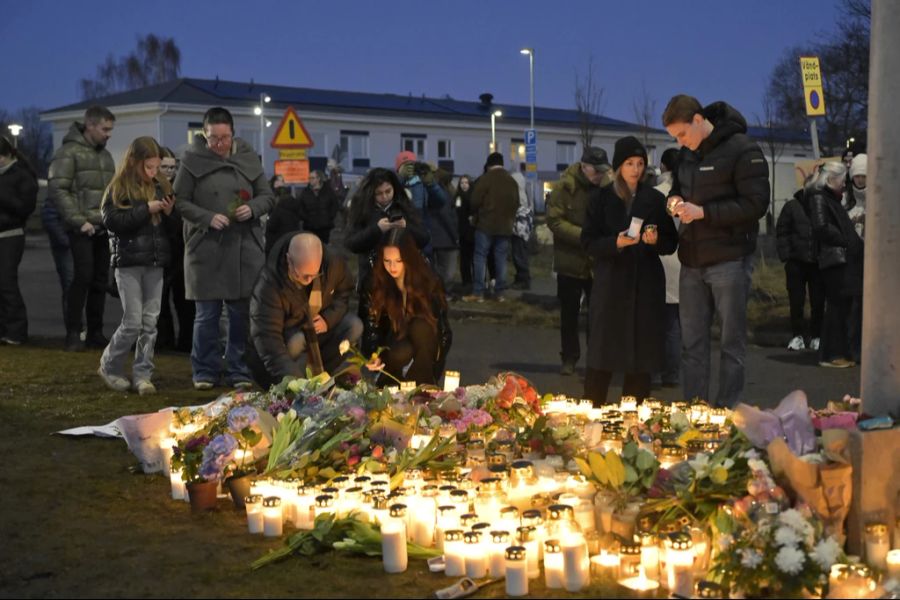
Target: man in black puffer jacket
column 720, row 192
column 302, row 287
column 796, row 249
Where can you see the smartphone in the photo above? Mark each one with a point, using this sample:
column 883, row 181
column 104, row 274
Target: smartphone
column 394, row 218
column 634, row 230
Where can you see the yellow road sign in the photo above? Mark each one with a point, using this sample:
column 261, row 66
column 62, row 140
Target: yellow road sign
column 813, row 94
column 291, row 133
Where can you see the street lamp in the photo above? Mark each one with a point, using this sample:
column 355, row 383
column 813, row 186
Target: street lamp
column 15, row 130
column 494, row 115
column 261, row 112
column 530, row 53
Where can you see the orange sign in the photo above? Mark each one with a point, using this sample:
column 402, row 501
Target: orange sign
column 293, row 171
column 291, row 133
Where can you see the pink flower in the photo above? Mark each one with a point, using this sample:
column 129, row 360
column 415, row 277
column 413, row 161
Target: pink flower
column 352, row 461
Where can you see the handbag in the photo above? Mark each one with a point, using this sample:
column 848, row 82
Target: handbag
column 832, row 256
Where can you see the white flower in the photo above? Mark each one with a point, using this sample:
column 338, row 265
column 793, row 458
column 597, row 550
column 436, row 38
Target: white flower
column 750, row 558
column 344, row 347
column 700, row 465
column 751, row 454
column 725, row 542
column 796, row 521
column 790, row 560
column 826, row 553
column 728, row 463
column 785, row 536
column 756, row 464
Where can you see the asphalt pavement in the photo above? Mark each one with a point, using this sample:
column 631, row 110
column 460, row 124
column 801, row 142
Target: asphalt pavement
column 483, row 347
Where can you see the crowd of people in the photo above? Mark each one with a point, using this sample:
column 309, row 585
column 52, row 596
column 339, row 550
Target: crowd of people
column 209, row 256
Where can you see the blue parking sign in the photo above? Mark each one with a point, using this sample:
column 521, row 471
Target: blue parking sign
column 530, row 137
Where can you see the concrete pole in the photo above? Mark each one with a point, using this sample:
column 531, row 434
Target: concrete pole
column 880, row 377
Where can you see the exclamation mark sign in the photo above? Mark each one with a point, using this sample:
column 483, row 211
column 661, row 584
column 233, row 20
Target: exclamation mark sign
column 291, row 128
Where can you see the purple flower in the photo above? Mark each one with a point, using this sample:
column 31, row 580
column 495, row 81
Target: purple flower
column 195, row 443
column 357, row 413
column 223, row 445
column 279, row 407
column 242, row 417
column 216, row 455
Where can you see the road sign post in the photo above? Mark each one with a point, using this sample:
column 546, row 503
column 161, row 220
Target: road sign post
column 813, row 96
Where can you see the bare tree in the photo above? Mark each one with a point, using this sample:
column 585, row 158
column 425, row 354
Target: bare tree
column 588, row 103
column 155, row 60
column 844, row 61
column 644, row 107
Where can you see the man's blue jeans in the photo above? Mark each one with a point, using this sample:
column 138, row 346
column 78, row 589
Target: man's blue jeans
column 483, row 245
column 721, row 290
column 206, row 353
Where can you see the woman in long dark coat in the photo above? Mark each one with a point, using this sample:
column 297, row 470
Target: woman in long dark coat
column 629, row 290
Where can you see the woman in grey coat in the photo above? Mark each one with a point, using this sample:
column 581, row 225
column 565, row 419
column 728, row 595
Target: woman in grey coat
column 222, row 192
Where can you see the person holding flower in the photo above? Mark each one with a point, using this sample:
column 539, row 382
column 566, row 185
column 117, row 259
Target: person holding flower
column 222, row 194
column 405, row 309
column 625, row 230
column 133, row 209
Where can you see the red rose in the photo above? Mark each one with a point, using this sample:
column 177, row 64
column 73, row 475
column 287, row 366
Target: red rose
column 352, row 461
column 377, row 452
column 244, row 195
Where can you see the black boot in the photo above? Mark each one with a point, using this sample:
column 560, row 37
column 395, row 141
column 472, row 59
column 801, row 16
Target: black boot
column 73, row 342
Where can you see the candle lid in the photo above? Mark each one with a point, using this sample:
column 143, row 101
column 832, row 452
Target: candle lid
column 496, row 459
column 398, row 510
column 499, row 537
column 877, row 528
column 429, row 491
column 499, row 471
column 403, row 491
column 380, row 502
column 361, row 479
column 302, row 490
column 353, row 491
column 505, row 444
column 510, row 512
column 378, row 483
column 552, row 546
column 558, row 512
column 709, row 589
column 475, row 445
column 472, row 537
column 490, row 484
column 253, row 499
column 522, row 466
column 481, row 526
column 515, row 553
column 630, row 548
column 341, row 481
column 468, row 519
column 532, row 517
column 331, row 490
column 272, row 502
column 453, row 535
column 525, row 533
column 459, row 495
column 324, row 501
column 446, row 488
column 413, row 474
column 680, row 541
column 446, row 508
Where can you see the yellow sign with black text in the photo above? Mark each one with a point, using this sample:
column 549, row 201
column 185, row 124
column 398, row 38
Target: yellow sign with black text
column 813, row 95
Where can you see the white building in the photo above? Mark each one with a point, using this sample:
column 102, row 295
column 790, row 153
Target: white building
column 367, row 130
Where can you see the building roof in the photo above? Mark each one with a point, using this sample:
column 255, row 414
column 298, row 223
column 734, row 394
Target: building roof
column 211, row 92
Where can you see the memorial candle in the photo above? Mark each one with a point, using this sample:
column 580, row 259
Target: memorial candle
column 499, row 542
column 272, row 517
column 451, row 381
column 393, row 540
column 553, row 564
column 253, row 505
column 641, row 586
column 680, row 564
column 893, row 564
column 877, row 545
column 454, row 553
column 516, row 571
column 476, row 556
column 177, row 484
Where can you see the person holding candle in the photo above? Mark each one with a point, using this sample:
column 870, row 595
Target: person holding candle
column 405, row 309
column 133, row 209
column 628, row 297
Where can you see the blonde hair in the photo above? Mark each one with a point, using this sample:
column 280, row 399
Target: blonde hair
column 128, row 185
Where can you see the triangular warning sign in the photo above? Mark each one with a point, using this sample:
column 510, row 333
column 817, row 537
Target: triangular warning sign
column 291, row 133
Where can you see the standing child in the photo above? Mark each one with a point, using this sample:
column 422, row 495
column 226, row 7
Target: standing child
column 133, row 209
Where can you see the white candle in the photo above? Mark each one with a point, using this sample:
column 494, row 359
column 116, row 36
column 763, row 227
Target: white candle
column 606, row 565
column 516, row 571
column 553, row 564
column 178, row 489
column 304, row 501
column 447, row 518
column 393, row 546
column 877, row 545
column 498, row 543
column 628, row 403
column 641, row 585
column 253, row 505
column 576, row 565
column 476, row 557
column 528, row 539
column 451, row 381
column 407, row 386
column 324, row 505
column 650, row 556
column 273, row 524
column 454, row 553
column 893, row 564
column 680, row 566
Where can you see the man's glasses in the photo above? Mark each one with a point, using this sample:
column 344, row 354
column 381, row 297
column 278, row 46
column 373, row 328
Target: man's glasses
column 215, row 140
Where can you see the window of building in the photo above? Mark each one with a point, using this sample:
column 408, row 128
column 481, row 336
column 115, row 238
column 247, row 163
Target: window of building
column 320, row 145
column 413, row 142
column 565, row 155
column 517, row 150
column 445, row 149
column 355, row 150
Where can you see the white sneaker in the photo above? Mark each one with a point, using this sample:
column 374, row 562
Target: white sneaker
column 144, row 387
column 114, row 382
column 814, row 344
column 797, row 344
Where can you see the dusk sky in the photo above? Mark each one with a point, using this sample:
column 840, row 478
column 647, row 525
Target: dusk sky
column 713, row 49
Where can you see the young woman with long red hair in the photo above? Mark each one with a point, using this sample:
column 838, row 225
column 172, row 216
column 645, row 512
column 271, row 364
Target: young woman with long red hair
column 405, row 310
column 133, row 208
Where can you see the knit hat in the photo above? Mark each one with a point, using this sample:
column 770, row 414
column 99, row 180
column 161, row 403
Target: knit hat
column 858, row 165
column 404, row 157
column 595, row 156
column 627, row 147
column 494, row 159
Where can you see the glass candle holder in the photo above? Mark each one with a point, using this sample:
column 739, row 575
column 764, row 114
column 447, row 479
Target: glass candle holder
column 630, row 558
column 680, row 564
column 324, row 505
column 253, row 506
column 273, row 524
column 476, row 555
column 526, row 538
column 393, row 540
column 451, row 381
column 878, row 544
column 498, row 542
column 516, row 571
column 553, row 564
column 454, row 553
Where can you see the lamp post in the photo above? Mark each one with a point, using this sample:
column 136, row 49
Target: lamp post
column 530, row 53
column 261, row 112
column 15, row 130
column 494, row 115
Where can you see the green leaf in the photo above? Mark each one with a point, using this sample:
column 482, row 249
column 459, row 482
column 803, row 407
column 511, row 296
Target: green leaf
column 616, row 470
column 630, row 474
column 629, row 451
column 645, row 460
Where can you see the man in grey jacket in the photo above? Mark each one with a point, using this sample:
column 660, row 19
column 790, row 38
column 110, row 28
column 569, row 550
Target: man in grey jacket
column 80, row 171
column 221, row 192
